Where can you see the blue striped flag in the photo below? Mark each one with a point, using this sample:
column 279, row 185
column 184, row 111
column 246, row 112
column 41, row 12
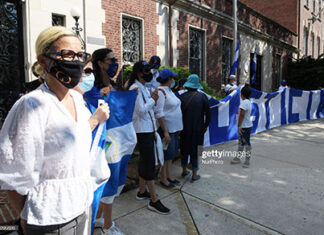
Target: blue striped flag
column 254, row 61
column 118, row 137
column 236, row 59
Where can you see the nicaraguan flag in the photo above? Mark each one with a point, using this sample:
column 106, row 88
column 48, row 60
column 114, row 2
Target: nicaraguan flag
column 236, row 59
column 119, row 140
column 254, row 61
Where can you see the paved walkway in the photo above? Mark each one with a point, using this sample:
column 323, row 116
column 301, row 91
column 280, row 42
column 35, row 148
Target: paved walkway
column 281, row 193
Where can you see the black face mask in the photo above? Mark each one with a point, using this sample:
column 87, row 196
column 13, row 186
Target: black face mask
column 147, row 77
column 68, row 73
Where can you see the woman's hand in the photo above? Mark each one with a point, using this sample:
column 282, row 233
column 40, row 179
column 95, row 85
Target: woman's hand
column 167, row 138
column 105, row 91
column 155, row 95
column 100, row 115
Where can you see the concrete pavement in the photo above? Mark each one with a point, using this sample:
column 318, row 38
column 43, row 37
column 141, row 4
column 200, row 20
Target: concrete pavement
column 281, row 193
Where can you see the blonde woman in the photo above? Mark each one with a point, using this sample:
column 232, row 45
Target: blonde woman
column 45, row 142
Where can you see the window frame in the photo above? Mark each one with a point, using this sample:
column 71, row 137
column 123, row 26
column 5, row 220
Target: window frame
column 141, row 40
column 203, row 76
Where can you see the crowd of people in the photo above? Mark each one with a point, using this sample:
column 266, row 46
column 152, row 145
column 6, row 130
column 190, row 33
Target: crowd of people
column 46, row 138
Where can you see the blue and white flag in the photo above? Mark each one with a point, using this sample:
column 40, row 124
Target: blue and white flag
column 254, row 64
column 119, row 140
column 269, row 110
column 236, row 59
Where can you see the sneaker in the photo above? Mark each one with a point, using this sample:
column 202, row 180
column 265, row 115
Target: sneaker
column 235, row 160
column 143, row 196
column 113, row 230
column 99, row 223
column 246, row 164
column 158, row 207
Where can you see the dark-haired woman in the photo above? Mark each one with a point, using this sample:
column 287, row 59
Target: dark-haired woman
column 105, row 69
column 145, row 127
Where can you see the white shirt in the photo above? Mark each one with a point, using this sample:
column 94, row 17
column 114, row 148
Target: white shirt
column 44, row 154
column 247, row 106
column 229, row 88
column 141, row 119
column 169, row 107
column 152, row 85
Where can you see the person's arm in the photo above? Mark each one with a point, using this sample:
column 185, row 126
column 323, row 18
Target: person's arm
column 241, row 117
column 100, row 115
column 159, row 114
column 145, row 107
column 16, row 201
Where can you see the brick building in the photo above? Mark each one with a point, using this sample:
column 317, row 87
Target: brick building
column 202, row 38
column 303, row 17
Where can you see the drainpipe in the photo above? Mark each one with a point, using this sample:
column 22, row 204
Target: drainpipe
column 298, row 25
column 171, row 3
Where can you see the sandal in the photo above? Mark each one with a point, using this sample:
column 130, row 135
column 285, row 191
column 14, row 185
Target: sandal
column 174, row 181
column 185, row 174
column 170, row 185
column 195, row 179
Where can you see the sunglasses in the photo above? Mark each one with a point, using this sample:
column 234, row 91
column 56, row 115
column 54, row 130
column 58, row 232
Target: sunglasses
column 70, row 55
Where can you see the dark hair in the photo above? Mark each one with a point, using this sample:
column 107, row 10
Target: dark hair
column 158, row 79
column 99, row 55
column 246, row 91
column 155, row 60
column 137, row 68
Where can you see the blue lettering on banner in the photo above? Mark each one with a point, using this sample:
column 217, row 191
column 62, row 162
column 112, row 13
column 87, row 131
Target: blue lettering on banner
column 293, row 117
column 223, row 126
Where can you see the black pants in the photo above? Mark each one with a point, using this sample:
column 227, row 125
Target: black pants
column 146, row 166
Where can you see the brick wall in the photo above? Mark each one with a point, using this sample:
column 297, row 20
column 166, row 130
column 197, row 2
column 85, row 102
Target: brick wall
column 284, row 12
column 145, row 9
column 213, row 34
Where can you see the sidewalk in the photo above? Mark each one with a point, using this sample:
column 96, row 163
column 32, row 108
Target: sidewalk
column 281, row 193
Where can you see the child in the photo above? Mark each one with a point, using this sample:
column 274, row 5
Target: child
column 244, row 127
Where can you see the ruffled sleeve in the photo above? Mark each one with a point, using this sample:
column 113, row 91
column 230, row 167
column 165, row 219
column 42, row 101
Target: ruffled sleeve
column 22, row 145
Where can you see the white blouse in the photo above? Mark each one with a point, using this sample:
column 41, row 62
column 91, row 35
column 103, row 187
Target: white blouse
column 44, row 154
column 141, row 118
column 169, row 107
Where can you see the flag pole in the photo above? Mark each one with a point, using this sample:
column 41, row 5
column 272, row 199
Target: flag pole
column 235, row 30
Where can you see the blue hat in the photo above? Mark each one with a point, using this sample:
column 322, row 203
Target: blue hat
column 193, row 82
column 165, row 74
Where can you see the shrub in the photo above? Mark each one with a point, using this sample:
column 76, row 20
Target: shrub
column 306, row 73
column 182, row 73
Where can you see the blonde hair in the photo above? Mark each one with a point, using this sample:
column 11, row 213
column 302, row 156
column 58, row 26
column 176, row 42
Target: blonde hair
column 45, row 41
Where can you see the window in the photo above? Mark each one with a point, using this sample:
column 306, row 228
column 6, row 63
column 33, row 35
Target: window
column 278, row 69
column 305, row 41
column 318, row 45
column 227, row 56
column 132, row 40
column 312, row 45
column 58, row 20
column 196, row 52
